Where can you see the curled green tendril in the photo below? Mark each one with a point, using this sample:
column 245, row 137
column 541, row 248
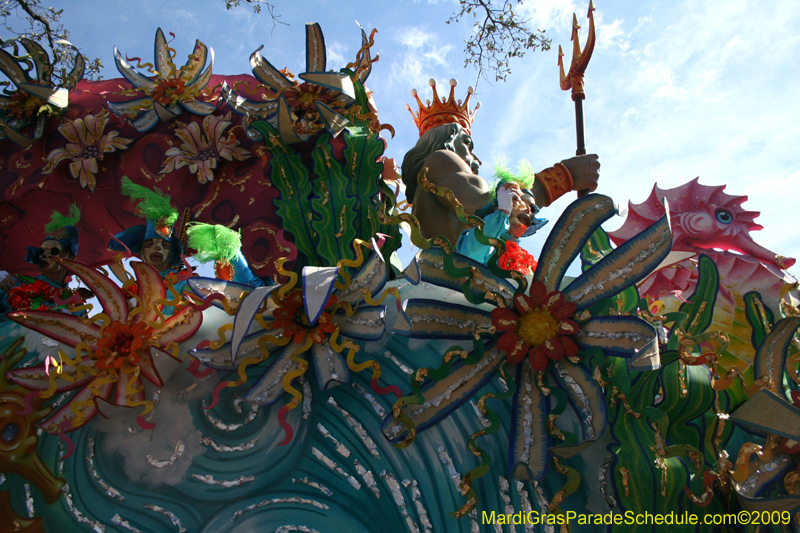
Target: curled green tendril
column 422, row 376
column 486, row 464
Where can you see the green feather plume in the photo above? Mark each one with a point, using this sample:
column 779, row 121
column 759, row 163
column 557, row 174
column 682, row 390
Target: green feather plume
column 154, row 205
column 58, row 221
column 524, row 176
column 213, row 242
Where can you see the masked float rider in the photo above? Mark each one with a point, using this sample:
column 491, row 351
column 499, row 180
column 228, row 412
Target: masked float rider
column 45, row 290
column 445, row 149
column 510, row 217
column 157, row 242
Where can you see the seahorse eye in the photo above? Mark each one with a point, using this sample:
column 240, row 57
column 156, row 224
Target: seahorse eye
column 9, row 432
column 724, row 216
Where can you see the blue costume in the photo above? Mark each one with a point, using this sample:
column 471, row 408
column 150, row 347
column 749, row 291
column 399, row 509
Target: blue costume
column 243, row 273
column 496, row 225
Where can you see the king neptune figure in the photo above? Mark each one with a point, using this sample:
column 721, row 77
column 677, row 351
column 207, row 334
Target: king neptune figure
column 445, row 148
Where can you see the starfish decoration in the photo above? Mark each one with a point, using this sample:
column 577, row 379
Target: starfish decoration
column 547, row 335
column 110, row 360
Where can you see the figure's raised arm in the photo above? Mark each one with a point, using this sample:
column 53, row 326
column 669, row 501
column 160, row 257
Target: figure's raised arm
column 578, row 173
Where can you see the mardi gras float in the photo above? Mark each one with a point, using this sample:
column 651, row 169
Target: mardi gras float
column 480, row 380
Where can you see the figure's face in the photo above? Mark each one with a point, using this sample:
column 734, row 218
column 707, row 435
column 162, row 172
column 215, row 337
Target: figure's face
column 521, row 215
column 52, row 248
column 463, row 145
column 157, row 253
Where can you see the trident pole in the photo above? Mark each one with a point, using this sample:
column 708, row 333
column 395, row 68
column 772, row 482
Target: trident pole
column 574, row 78
column 579, row 126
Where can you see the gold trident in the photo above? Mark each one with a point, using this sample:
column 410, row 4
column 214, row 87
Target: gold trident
column 574, row 79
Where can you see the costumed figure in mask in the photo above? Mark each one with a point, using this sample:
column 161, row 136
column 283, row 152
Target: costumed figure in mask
column 510, row 217
column 157, row 242
column 48, row 289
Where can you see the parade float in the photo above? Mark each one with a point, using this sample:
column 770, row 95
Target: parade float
column 661, row 379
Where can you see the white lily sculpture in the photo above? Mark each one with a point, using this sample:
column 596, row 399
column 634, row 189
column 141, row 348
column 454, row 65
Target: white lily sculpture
column 36, row 96
column 170, row 91
column 298, row 110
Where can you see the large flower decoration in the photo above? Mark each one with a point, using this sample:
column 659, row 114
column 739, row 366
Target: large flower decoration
column 547, row 334
column 202, row 150
column 322, row 100
column 87, row 145
column 326, row 319
column 171, row 91
column 290, row 317
column 110, row 360
column 539, row 327
column 36, row 96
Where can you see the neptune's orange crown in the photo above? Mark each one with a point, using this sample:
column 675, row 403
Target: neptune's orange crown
column 443, row 111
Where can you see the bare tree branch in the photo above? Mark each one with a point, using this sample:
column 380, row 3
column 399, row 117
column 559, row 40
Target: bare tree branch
column 498, row 35
column 256, row 6
column 43, row 25
column 40, row 19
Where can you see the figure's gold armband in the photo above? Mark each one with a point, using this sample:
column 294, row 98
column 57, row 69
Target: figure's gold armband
column 556, row 182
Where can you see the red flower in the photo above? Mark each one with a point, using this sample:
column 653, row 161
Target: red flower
column 23, row 296
column 540, row 327
column 291, row 317
column 24, row 105
column 516, row 258
column 131, row 290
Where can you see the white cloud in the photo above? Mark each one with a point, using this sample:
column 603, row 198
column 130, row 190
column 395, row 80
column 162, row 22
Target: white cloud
column 416, row 38
column 335, row 55
column 550, row 13
column 439, row 56
column 422, row 57
column 628, row 117
column 611, row 35
column 641, row 23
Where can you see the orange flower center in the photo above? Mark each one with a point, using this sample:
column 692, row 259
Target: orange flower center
column 307, row 98
column 291, row 317
column 168, row 90
column 121, row 343
column 537, row 326
column 24, row 105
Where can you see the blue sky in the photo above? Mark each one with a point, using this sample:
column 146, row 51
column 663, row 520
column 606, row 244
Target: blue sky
column 675, row 90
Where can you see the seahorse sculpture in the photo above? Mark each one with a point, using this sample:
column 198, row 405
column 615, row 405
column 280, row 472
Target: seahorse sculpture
column 707, row 220
column 18, row 425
